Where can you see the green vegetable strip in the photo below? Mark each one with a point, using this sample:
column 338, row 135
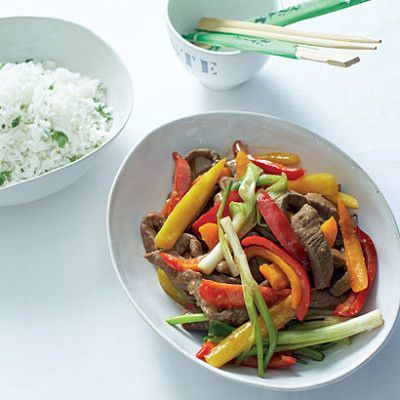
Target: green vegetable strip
column 309, row 352
column 242, row 221
column 252, row 293
column 290, row 340
column 187, row 318
column 300, row 12
column 330, row 320
column 263, row 180
column 221, row 329
column 222, row 239
column 246, row 43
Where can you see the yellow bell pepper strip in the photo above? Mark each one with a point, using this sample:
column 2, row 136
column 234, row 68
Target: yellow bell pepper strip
column 187, row 208
column 322, row 183
column 355, row 262
column 301, row 289
column 180, row 263
column 275, row 276
column 326, row 185
column 330, row 229
column 348, row 201
column 237, row 342
column 169, row 288
column 209, row 234
column 281, row 158
column 354, row 302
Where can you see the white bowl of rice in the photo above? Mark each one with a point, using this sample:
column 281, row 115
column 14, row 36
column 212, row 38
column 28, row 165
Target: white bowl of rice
column 64, row 95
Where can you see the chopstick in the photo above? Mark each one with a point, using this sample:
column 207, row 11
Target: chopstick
column 287, row 35
column 272, row 47
column 337, row 60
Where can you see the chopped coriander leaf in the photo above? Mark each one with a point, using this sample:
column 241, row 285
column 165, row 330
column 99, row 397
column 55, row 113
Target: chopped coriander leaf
column 2, row 65
column 28, row 60
column 101, row 87
column 4, row 176
column 96, row 100
column 51, row 87
column 22, row 106
column 100, row 110
column 15, row 122
column 3, row 126
column 73, row 158
column 60, row 137
column 22, row 170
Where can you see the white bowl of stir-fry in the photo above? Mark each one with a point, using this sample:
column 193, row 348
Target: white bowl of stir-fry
column 256, row 248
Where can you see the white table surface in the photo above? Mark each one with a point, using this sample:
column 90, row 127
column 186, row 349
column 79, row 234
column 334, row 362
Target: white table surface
column 67, row 330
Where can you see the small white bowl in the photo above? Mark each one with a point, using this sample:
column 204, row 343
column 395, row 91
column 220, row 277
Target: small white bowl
column 80, row 50
column 217, row 70
column 133, row 195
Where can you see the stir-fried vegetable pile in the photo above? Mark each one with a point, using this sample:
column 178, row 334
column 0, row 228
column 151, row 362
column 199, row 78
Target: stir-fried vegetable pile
column 265, row 258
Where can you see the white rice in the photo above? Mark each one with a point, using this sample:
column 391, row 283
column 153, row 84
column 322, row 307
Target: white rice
column 49, row 117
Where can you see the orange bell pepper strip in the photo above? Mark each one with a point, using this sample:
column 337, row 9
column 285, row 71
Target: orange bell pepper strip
column 187, row 208
column 209, row 233
column 234, row 344
column 225, row 295
column 330, row 229
column 355, row 262
column 301, row 289
column 275, row 276
column 241, row 164
column 354, row 302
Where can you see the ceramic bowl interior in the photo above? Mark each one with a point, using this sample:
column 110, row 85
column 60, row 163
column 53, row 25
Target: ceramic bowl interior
column 135, row 194
column 78, row 49
column 223, row 69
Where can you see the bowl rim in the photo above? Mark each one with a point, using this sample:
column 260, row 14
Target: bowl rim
column 172, row 28
column 128, row 83
column 220, row 372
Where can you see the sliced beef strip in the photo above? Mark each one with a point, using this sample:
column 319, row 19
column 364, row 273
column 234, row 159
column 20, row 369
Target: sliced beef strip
column 339, row 258
column 341, row 286
column 224, row 278
column 305, row 223
column 200, row 160
column 323, row 300
column 197, row 326
column 291, row 201
column 223, row 267
column 231, row 316
column 325, row 208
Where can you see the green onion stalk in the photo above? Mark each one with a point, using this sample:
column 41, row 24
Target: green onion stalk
column 251, row 293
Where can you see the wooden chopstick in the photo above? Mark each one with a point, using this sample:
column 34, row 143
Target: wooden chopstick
column 287, row 35
column 338, row 60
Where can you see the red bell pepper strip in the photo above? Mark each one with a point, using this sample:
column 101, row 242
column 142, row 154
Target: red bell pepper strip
column 304, row 281
column 183, row 179
column 205, row 349
column 180, row 263
column 269, row 167
column 278, row 361
column 211, row 215
column 281, row 228
column 225, row 295
column 354, row 302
